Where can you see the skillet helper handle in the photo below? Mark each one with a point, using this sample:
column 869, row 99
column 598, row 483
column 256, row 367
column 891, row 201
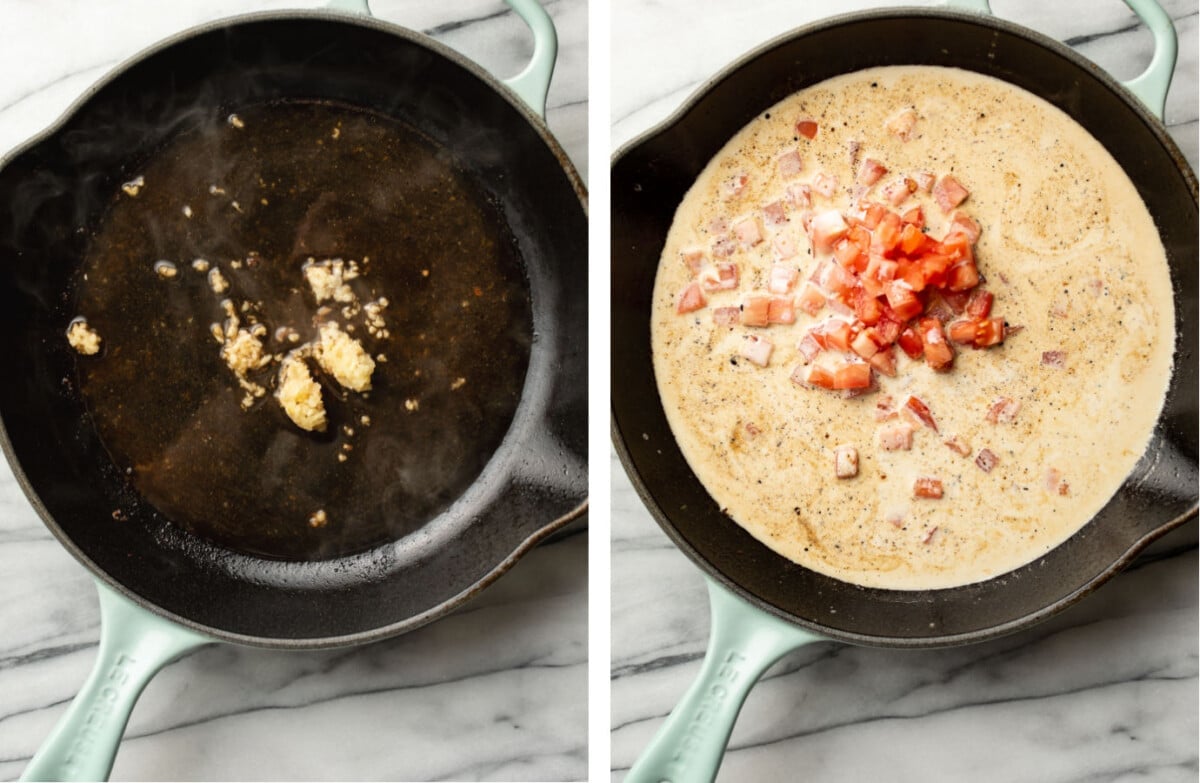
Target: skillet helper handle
column 1151, row 86
column 743, row 644
column 134, row 646
column 532, row 84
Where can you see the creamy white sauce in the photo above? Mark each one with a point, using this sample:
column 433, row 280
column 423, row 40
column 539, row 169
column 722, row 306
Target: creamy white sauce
column 1057, row 215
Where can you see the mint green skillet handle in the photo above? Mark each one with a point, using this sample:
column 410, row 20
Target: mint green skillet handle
column 1152, row 85
column 743, row 644
column 134, row 645
column 532, row 84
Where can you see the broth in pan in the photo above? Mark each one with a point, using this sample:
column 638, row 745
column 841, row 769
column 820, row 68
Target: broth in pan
column 313, row 330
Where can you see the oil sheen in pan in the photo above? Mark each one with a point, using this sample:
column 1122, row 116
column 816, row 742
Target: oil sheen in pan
column 282, row 183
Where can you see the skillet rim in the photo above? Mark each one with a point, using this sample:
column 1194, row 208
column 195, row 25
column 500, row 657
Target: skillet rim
column 1156, row 126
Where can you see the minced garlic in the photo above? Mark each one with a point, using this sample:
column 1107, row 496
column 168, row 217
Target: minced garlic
column 300, row 396
column 343, row 357
column 83, row 338
column 327, row 279
column 133, row 186
column 217, row 281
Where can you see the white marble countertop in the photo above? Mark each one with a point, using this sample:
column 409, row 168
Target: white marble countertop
column 1106, row 691
column 496, row 691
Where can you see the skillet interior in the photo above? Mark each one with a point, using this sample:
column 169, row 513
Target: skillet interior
column 51, row 197
column 649, row 180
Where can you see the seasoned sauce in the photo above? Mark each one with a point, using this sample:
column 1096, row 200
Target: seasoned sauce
column 233, row 210
column 1070, row 253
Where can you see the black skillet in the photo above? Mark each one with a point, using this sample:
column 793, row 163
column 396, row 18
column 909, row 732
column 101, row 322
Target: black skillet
column 165, row 590
column 762, row 604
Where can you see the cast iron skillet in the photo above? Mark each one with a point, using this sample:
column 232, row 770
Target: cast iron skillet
column 764, row 605
column 164, row 591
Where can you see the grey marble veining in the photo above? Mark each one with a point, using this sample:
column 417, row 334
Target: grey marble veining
column 496, row 691
column 1106, row 691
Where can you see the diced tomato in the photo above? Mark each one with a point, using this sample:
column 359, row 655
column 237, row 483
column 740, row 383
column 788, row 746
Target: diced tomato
column 872, row 215
column 747, row 232
column 825, row 184
column 755, row 309
column 896, row 437
column 959, row 446
column 887, row 234
column 913, row 275
column 989, row 333
column 1055, row 359
column 938, row 353
column 783, row 277
column 845, row 462
column 888, row 328
column 817, row 376
column 854, row 375
column 986, row 460
column 734, row 185
column 727, row 316
column 956, row 300
column 781, row 310
column 811, row 300
column 724, row 277
column 692, row 298
column 962, row 331
column 902, row 123
column 846, row 252
column 903, row 301
column 809, row 348
column 921, row 411
column 963, row 276
column 949, row 193
column 912, row 239
column 870, row 172
column 962, row 223
column 1003, row 411
column 884, row 361
column 694, row 259
column 774, row 214
column 868, row 309
column 934, row 267
column 790, row 164
column 807, row 129
column 757, row 349
column 910, row 342
column 927, row 487
column 837, row 334
column 863, row 345
column 827, row 228
column 800, row 195
column 723, row 247
column 897, row 192
column 784, row 246
column 837, row 281
column 980, row 306
column 939, row 356
column 957, row 247
column 914, row 217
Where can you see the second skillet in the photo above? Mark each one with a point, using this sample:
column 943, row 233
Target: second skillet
column 763, row 605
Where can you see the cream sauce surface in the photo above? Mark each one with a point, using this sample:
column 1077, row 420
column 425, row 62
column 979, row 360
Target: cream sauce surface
column 1071, row 254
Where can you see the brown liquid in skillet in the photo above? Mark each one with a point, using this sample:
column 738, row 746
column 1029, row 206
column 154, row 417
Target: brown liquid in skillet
column 168, row 409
